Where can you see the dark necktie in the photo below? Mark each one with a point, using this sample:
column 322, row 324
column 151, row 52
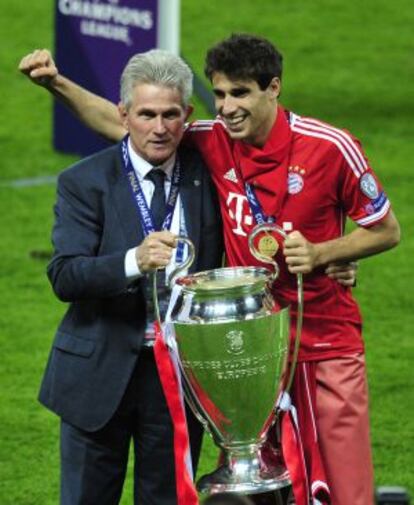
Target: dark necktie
column 158, row 207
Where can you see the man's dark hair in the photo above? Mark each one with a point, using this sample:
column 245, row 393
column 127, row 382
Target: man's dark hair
column 245, row 57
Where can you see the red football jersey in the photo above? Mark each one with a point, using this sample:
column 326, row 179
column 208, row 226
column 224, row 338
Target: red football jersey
column 312, row 176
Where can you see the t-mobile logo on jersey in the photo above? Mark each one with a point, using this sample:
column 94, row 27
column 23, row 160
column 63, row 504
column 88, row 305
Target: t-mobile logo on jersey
column 239, row 211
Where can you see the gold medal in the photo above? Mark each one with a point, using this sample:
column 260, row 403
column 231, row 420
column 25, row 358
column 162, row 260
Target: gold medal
column 268, row 246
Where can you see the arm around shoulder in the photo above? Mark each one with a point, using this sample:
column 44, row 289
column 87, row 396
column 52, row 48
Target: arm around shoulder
column 97, row 113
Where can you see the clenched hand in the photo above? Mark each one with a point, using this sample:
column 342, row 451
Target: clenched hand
column 39, row 66
column 155, row 251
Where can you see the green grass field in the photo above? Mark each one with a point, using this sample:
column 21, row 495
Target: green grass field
column 350, row 63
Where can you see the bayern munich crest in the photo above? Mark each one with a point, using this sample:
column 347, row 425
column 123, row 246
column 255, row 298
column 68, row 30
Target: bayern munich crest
column 295, row 180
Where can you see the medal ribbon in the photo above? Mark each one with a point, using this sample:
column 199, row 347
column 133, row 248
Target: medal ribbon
column 263, row 162
column 171, row 384
column 143, row 209
column 255, row 206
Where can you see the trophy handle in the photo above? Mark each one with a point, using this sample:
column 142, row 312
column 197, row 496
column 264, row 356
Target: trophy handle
column 171, row 278
column 267, row 227
column 188, row 391
column 196, row 408
column 256, row 253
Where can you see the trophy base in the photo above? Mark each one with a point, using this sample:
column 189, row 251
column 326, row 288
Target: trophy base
column 244, row 478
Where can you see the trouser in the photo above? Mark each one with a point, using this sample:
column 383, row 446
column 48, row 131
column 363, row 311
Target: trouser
column 343, row 428
column 332, row 401
column 93, row 464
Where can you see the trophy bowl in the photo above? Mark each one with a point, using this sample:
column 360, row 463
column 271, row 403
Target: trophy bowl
column 233, row 351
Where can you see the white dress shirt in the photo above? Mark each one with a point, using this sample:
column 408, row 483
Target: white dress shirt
column 141, row 169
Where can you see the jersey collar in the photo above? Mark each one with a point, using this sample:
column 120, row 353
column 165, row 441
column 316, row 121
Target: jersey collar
column 254, row 161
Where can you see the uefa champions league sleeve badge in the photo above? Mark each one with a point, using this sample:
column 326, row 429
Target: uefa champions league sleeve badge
column 369, row 186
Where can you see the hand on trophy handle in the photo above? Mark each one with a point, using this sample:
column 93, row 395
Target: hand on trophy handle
column 155, row 251
column 175, row 273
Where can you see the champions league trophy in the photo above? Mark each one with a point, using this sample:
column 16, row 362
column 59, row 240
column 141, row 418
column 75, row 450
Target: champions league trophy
column 233, row 353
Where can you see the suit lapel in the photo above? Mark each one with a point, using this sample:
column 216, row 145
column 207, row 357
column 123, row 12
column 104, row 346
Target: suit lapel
column 125, row 206
column 190, row 194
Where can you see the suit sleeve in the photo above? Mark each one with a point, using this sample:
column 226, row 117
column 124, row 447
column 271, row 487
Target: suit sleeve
column 77, row 270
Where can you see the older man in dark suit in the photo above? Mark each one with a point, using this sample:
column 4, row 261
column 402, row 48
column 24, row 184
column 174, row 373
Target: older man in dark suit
column 117, row 217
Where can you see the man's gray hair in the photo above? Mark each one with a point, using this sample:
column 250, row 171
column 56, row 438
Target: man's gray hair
column 156, row 67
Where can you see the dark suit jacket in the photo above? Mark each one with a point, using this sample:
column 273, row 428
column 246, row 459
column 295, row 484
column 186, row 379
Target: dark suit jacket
column 98, row 341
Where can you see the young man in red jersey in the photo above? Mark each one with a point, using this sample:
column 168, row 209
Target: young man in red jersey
column 307, row 176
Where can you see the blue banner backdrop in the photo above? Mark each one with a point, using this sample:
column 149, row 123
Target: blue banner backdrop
column 94, row 39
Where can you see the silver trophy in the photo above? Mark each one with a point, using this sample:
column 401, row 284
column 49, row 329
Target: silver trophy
column 233, row 353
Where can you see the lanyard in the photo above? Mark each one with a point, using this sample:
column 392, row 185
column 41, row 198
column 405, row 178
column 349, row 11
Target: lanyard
column 144, row 212
column 255, row 206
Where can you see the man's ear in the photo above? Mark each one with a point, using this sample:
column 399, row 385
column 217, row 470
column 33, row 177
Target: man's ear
column 188, row 111
column 123, row 114
column 275, row 88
